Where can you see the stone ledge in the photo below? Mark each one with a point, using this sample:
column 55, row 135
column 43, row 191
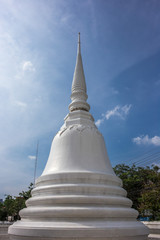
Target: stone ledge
column 154, row 237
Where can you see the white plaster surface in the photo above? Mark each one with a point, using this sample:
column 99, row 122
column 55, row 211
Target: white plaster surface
column 78, row 196
column 154, row 229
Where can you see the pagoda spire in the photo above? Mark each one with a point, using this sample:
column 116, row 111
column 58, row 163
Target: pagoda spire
column 79, row 90
column 79, row 43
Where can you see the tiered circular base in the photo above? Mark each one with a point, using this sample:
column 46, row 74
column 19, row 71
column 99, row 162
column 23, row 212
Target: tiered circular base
column 78, row 206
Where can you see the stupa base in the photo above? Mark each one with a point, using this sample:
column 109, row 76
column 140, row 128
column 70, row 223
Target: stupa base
column 78, row 206
column 75, row 238
column 104, row 230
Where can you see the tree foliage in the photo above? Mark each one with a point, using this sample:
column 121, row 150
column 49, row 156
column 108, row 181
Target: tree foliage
column 12, row 205
column 143, row 188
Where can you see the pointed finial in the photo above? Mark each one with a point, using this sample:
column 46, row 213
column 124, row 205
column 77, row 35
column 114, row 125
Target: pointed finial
column 79, row 43
column 79, row 95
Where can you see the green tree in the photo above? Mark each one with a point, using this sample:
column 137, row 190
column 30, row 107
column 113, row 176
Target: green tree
column 132, row 182
column 9, row 205
column 143, row 188
column 12, row 205
column 26, row 194
column 3, row 212
column 150, row 196
column 19, row 204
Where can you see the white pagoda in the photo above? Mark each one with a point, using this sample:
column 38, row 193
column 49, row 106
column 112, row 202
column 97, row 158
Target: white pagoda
column 78, row 196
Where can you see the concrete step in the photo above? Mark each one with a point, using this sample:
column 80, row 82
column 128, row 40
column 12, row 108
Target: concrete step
column 154, row 237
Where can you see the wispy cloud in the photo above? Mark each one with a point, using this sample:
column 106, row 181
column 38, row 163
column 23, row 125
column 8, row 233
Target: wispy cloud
column 28, row 66
column 32, row 157
column 114, row 91
column 21, row 104
column 118, row 111
column 145, row 140
column 99, row 122
column 66, row 18
column 156, row 164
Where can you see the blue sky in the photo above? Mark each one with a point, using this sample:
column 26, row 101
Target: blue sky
column 121, row 57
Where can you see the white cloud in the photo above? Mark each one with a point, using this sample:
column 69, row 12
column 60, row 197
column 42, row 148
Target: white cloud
column 156, row 164
column 28, row 66
column 113, row 112
column 66, row 18
column 145, row 140
column 99, row 122
column 21, row 104
column 118, row 111
column 32, row 157
column 114, row 91
column 126, row 108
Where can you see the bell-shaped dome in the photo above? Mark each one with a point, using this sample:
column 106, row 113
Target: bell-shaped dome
column 81, row 145
column 78, row 196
